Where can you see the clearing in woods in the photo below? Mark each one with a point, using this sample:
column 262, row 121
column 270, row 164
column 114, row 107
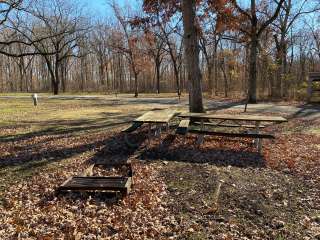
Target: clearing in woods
column 220, row 190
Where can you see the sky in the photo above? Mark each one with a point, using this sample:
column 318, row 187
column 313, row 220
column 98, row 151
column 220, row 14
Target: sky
column 96, row 6
column 100, row 7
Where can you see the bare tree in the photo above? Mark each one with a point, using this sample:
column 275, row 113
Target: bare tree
column 253, row 33
column 129, row 48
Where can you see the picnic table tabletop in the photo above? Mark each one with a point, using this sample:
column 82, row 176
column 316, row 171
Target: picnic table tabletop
column 239, row 117
column 158, row 116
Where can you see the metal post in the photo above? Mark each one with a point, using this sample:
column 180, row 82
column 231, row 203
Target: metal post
column 35, row 99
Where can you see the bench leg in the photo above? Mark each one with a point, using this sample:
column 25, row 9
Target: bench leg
column 159, row 132
column 258, row 140
column 149, row 134
column 260, row 146
column 200, row 138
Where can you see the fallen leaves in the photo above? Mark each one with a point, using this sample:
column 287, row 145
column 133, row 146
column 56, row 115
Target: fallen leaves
column 273, row 195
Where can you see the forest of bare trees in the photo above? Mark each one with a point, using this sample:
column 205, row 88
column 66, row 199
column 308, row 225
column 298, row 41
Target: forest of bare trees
column 264, row 48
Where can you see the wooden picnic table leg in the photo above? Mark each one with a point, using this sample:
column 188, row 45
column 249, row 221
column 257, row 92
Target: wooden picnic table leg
column 149, row 133
column 159, row 131
column 201, row 136
column 258, row 140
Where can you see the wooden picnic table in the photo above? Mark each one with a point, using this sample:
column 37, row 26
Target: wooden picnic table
column 156, row 118
column 257, row 119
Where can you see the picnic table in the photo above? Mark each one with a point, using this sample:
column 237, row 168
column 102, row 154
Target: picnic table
column 156, row 119
column 237, row 120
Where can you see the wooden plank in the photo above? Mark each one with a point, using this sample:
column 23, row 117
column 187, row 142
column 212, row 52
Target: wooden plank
column 241, row 117
column 183, row 127
column 133, row 127
column 229, row 125
column 128, row 186
column 315, row 75
column 161, row 116
column 96, row 184
column 184, row 123
column 235, row 135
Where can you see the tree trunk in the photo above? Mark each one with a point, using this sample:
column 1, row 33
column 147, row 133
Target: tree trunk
column 55, row 86
column 215, row 68
column 192, row 56
column 225, row 78
column 252, row 98
column 136, row 93
column 158, row 75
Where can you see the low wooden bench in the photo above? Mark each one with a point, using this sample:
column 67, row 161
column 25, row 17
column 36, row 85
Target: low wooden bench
column 183, row 127
column 97, row 183
column 87, row 182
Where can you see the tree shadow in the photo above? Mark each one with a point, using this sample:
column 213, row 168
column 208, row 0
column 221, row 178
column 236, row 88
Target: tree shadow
column 69, row 127
column 216, row 151
column 221, row 105
column 113, row 147
column 308, row 110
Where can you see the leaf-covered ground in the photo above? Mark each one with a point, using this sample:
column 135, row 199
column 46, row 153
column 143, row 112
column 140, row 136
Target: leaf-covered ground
column 220, row 190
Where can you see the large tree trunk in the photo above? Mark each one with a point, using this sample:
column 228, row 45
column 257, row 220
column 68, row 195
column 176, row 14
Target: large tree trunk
column 192, row 56
column 252, row 97
column 55, row 86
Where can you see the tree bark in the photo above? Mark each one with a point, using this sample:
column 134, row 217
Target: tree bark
column 252, row 98
column 192, row 56
column 158, row 75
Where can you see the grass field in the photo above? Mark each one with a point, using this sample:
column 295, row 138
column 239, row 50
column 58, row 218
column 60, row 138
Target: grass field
column 269, row 196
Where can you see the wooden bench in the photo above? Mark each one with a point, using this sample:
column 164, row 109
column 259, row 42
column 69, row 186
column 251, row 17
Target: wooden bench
column 229, row 125
column 97, row 183
column 183, row 127
column 229, row 134
column 87, row 182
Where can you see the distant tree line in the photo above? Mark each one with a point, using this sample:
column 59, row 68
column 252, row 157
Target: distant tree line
column 257, row 48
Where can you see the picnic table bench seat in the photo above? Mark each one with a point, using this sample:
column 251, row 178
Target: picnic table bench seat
column 230, row 134
column 183, row 127
column 229, row 125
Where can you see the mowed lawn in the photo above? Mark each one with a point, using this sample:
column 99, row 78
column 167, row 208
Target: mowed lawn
column 220, row 190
